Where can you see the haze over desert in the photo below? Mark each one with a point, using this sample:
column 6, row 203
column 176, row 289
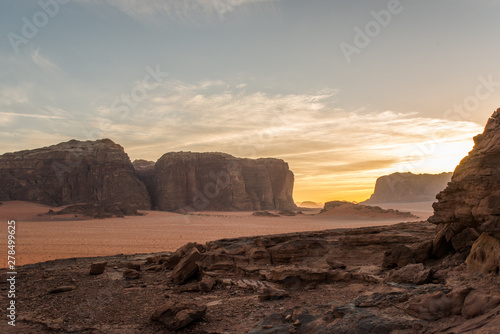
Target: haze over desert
column 42, row 237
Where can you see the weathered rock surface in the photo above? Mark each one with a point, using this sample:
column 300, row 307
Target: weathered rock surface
column 72, row 172
column 178, row 315
column 484, row 256
column 216, row 181
column 408, row 187
column 235, row 285
column 471, row 202
column 101, row 172
column 97, row 268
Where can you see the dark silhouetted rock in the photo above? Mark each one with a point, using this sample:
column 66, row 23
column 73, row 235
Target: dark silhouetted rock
column 408, row 187
column 472, row 199
column 72, row 172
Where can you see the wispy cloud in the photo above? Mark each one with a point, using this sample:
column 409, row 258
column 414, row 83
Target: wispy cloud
column 11, row 95
column 323, row 144
column 42, row 116
column 42, row 61
column 154, row 11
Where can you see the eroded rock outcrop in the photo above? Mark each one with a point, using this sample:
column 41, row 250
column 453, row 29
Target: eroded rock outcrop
column 470, row 205
column 218, row 181
column 408, row 187
column 72, row 172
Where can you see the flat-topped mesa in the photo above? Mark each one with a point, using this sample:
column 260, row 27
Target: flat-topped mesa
column 72, row 172
column 219, row 181
column 408, row 187
column 470, row 205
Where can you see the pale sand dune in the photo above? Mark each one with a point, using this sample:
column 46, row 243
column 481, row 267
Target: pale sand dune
column 42, row 238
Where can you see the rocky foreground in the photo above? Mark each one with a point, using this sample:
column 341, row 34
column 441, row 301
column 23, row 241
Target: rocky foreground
column 366, row 280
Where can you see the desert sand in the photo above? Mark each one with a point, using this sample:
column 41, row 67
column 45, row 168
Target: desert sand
column 41, row 237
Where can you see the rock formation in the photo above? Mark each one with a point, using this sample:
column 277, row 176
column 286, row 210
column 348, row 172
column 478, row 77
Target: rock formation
column 101, row 172
column 218, row 181
column 345, row 210
column 408, row 187
column 72, row 172
column 470, row 205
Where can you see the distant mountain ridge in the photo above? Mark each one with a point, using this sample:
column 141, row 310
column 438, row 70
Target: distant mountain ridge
column 408, row 187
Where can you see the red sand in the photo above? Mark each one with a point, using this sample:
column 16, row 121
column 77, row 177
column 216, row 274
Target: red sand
column 42, row 238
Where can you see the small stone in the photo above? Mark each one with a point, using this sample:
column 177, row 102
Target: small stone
column 131, row 274
column 288, row 318
column 207, row 284
column 296, row 323
column 97, row 268
column 267, row 326
column 272, row 294
column 64, row 288
column 134, row 265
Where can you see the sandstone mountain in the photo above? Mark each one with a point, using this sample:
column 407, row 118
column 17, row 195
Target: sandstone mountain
column 408, row 187
column 72, row 172
column 470, row 205
column 101, row 172
column 218, row 181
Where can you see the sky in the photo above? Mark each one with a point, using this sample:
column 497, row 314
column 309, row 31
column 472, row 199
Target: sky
column 344, row 91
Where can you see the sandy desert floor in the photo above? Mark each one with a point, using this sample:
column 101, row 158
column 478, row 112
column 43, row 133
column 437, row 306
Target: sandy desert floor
column 41, row 237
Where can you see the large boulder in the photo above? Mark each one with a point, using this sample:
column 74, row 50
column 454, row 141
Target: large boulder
column 471, row 202
column 484, row 256
column 175, row 315
column 72, row 172
column 218, row 181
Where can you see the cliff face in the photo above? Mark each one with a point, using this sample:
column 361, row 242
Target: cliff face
column 72, row 172
column 408, row 187
column 145, row 172
column 217, row 181
column 100, row 171
column 470, row 205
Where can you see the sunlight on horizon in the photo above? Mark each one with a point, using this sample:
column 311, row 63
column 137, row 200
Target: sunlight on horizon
column 359, row 186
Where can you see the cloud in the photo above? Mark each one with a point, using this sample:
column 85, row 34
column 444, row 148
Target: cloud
column 12, row 95
column 339, row 152
column 42, row 116
column 178, row 10
column 43, row 61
